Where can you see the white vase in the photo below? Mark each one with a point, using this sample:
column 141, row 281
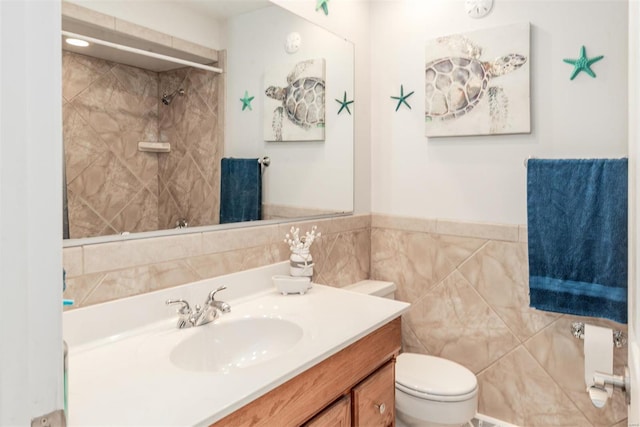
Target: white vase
column 301, row 263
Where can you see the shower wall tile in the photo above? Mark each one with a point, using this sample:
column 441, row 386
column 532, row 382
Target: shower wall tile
column 517, row 390
column 532, row 373
column 83, row 220
column 82, row 144
column 79, row 72
column 141, row 214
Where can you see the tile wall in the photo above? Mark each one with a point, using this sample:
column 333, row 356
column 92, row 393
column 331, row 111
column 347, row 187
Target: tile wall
column 109, row 271
column 467, row 284
column 111, row 186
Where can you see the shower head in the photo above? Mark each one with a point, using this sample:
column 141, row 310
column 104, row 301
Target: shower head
column 166, row 98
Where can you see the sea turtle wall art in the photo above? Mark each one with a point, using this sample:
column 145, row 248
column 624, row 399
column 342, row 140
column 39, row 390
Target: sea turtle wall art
column 477, row 83
column 295, row 101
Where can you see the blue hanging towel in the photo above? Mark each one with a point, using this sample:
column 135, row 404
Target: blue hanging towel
column 577, row 225
column 240, row 190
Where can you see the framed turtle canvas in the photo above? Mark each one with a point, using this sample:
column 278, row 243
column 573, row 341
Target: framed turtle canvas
column 477, row 83
column 294, row 102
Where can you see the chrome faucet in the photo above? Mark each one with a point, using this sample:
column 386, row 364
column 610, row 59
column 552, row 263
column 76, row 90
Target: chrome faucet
column 188, row 318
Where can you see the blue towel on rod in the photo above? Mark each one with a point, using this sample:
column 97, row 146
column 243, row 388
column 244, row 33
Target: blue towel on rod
column 577, row 225
column 240, row 190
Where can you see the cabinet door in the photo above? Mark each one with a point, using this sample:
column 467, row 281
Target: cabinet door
column 336, row 415
column 374, row 399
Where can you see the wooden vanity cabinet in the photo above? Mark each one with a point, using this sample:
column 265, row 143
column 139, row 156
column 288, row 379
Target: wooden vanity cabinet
column 357, row 380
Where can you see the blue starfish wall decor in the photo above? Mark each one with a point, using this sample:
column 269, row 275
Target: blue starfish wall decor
column 246, row 101
column 583, row 64
column 344, row 104
column 402, row 99
column 322, row 4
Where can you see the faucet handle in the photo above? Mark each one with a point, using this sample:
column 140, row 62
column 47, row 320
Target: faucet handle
column 212, row 294
column 184, row 310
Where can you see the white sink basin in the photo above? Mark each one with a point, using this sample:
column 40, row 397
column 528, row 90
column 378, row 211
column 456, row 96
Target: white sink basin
column 221, row 347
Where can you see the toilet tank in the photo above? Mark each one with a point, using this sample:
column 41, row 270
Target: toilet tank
column 374, row 287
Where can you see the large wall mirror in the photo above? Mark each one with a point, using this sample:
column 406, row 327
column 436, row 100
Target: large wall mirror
column 117, row 105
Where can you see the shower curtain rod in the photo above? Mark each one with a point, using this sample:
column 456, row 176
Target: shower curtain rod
column 143, row 52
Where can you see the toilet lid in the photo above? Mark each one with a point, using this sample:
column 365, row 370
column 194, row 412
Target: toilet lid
column 433, row 375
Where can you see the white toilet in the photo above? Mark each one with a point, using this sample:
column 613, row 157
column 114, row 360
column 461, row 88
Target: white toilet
column 430, row 391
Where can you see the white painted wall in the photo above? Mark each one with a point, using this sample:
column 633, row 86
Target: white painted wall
column 350, row 19
column 170, row 17
column 30, row 211
column 483, row 178
column 311, row 174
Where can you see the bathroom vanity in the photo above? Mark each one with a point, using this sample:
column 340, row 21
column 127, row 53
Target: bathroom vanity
column 323, row 358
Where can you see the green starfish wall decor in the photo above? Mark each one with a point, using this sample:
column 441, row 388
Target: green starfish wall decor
column 583, row 63
column 322, row 4
column 246, row 101
column 402, row 99
column 344, row 104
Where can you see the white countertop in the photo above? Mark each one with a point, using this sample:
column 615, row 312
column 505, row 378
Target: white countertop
column 122, row 374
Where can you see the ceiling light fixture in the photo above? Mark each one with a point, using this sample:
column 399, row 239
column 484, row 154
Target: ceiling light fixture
column 77, row 42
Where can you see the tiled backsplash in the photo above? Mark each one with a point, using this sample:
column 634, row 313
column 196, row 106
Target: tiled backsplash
column 468, row 286
column 108, row 271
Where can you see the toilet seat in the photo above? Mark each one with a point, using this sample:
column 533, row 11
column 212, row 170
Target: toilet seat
column 434, row 378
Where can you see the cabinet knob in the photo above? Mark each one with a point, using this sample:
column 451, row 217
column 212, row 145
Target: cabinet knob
column 381, row 407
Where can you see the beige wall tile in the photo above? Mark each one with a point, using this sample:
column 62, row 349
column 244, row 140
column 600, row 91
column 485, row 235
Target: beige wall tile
column 239, row 238
column 403, row 223
column 347, row 260
column 479, row 230
column 81, row 287
column 499, row 271
column 72, row 261
column 517, row 390
column 129, row 253
column 523, row 235
column 414, row 261
column 562, row 356
column 454, row 322
column 410, row 342
column 458, row 249
column 220, row 263
column 196, row 49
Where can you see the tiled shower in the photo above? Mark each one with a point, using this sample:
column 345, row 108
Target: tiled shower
column 111, row 186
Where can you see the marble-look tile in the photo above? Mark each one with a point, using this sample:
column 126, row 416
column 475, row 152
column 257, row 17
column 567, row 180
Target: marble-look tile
column 517, row 390
column 403, row 223
column 562, row 356
column 458, row 249
column 218, row 264
column 480, row 230
column 414, row 261
column 106, row 186
column 205, row 85
column 72, row 261
column 454, row 322
column 81, row 287
column 623, row 423
column 347, row 260
column 141, row 214
column 523, row 234
column 410, row 342
column 168, row 211
column 239, row 238
column 188, row 187
column 129, row 253
column 169, row 274
column 83, row 220
column 330, row 225
column 499, row 272
column 82, row 145
column 79, row 72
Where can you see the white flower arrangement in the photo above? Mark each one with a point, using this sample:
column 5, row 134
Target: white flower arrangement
column 297, row 243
